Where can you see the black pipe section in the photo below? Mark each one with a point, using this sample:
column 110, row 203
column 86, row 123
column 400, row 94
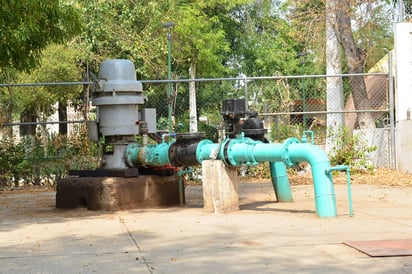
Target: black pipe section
column 183, row 151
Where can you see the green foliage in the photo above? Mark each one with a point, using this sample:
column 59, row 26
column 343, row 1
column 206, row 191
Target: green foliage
column 59, row 65
column 200, row 36
column 127, row 29
column 36, row 161
column 350, row 150
column 263, row 44
column 372, row 27
column 374, row 32
column 282, row 131
column 260, row 171
column 30, row 26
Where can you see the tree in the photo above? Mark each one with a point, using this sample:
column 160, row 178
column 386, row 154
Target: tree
column 27, row 27
column 262, row 44
column 355, row 62
column 130, row 30
column 334, row 86
column 39, row 102
column 363, row 44
column 127, row 29
column 202, row 43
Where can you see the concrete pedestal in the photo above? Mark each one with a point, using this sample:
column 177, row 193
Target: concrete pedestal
column 117, row 193
column 220, row 187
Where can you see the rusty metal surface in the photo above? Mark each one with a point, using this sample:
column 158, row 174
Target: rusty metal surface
column 383, row 248
column 101, row 172
column 116, row 193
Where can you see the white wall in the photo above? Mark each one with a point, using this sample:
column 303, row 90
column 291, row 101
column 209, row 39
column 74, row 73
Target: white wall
column 403, row 95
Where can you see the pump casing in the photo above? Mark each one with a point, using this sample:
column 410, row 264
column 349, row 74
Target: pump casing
column 116, row 96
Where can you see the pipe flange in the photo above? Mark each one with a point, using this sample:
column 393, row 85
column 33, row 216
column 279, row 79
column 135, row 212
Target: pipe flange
column 131, row 154
column 199, row 148
column 285, row 151
column 228, row 152
column 223, row 151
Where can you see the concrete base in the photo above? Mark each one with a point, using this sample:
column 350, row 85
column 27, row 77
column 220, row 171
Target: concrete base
column 116, row 193
column 220, row 187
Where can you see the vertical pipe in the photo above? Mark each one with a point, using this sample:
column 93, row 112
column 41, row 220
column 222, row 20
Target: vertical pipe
column 325, row 198
column 391, row 112
column 349, row 192
column 347, row 169
column 280, row 182
column 181, row 193
column 169, row 84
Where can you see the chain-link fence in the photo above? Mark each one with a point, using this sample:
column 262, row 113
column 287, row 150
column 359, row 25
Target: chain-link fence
column 287, row 104
column 404, row 10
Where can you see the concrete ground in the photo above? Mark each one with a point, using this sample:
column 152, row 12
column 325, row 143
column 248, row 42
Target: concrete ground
column 263, row 237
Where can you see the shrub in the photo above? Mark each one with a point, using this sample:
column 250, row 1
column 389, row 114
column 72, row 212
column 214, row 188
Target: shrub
column 36, row 161
column 350, row 150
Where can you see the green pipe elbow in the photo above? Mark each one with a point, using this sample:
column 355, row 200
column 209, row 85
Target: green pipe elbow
column 325, row 197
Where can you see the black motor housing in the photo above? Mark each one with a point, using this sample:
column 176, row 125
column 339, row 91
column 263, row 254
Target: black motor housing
column 234, row 114
column 254, row 129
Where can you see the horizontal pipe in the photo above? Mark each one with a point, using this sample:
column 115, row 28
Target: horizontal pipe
column 149, row 155
column 247, row 151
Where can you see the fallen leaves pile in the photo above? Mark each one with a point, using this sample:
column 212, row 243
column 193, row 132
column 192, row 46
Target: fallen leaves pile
column 380, row 176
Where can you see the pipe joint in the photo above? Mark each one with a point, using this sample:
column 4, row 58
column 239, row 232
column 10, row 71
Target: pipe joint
column 131, row 155
column 239, row 151
column 204, row 151
column 285, row 151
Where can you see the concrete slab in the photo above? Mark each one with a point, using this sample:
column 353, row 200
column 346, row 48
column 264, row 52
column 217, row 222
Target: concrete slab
column 263, row 237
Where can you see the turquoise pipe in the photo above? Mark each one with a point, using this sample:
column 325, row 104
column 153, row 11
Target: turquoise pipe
column 180, row 173
column 280, row 182
column 149, row 155
column 325, row 197
column 347, row 169
column 290, row 152
column 244, row 150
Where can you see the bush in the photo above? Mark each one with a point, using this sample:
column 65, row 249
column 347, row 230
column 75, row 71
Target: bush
column 350, row 150
column 36, row 161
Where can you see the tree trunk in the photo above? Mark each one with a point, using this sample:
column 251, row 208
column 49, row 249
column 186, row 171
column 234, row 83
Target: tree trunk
column 334, row 87
column 86, row 91
column 192, row 99
column 355, row 59
column 9, row 108
column 9, row 113
column 28, row 115
column 62, row 110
